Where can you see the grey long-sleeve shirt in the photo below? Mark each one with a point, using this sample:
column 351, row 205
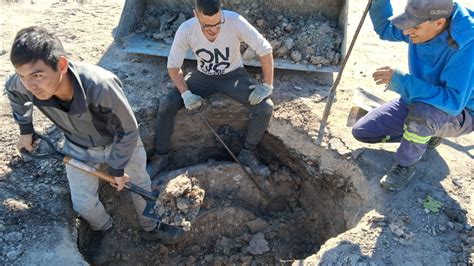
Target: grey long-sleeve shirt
column 99, row 113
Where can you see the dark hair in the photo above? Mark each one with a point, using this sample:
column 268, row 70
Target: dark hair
column 36, row 43
column 208, row 7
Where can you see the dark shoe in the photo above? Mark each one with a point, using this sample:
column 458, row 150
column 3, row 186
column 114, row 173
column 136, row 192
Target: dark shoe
column 434, row 142
column 397, row 177
column 156, row 164
column 166, row 233
column 248, row 158
column 95, row 252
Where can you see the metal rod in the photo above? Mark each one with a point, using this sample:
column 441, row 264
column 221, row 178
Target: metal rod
column 332, row 92
column 266, row 196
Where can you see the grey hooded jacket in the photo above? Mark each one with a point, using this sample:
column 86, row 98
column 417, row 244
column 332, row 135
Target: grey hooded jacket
column 99, row 113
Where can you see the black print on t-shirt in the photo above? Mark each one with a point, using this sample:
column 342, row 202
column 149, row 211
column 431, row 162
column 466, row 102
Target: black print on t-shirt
column 213, row 63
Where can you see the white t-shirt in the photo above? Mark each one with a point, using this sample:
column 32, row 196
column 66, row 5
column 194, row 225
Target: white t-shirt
column 223, row 54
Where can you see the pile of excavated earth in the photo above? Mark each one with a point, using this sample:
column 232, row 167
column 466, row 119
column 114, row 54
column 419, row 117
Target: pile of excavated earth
column 179, row 202
column 310, row 40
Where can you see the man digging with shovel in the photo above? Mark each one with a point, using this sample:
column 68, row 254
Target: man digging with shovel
column 436, row 96
column 214, row 35
column 87, row 104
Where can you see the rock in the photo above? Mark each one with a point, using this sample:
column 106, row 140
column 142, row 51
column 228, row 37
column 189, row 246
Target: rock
column 168, row 40
column 258, row 245
column 289, row 43
column 182, row 204
column 275, row 44
column 13, row 254
column 179, row 201
column 260, row 22
column 298, row 88
column 336, row 59
column 296, row 56
column 257, row 225
column 226, row 244
column 249, row 54
column 3, row 51
column 282, row 51
column 162, row 35
column 180, row 20
column 163, row 251
column 289, row 28
column 178, row 185
column 166, row 19
column 13, row 237
column 451, row 225
column 319, row 60
column 186, row 225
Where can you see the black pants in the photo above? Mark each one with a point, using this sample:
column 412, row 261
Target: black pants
column 234, row 84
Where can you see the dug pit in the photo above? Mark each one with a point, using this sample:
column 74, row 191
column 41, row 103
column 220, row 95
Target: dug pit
column 236, row 223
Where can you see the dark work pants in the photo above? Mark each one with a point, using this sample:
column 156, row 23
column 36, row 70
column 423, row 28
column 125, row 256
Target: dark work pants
column 235, row 85
column 411, row 125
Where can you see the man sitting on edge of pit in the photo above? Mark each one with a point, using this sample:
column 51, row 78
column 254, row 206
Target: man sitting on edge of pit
column 436, row 96
column 214, row 35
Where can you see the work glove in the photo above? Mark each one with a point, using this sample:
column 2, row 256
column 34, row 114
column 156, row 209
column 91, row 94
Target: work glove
column 260, row 92
column 191, row 101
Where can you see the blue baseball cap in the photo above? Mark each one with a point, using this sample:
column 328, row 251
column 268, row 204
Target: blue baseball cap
column 419, row 11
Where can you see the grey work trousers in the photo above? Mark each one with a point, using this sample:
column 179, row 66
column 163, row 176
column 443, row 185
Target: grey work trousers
column 411, row 125
column 235, row 85
column 84, row 187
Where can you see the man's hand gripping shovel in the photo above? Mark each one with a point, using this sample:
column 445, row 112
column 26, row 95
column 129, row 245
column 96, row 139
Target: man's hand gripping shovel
column 148, row 196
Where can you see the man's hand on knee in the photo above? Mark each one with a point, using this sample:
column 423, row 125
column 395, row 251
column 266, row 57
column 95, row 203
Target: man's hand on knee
column 191, row 101
column 259, row 93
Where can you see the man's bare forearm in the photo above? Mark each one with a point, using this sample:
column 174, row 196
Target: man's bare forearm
column 177, row 76
column 267, row 68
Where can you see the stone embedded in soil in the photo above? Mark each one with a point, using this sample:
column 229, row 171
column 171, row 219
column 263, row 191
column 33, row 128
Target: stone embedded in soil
column 258, row 245
column 179, row 201
column 310, row 39
column 257, row 225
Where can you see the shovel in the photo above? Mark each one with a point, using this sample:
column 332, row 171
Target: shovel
column 149, row 197
column 364, row 102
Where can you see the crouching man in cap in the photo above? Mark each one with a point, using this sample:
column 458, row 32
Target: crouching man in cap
column 436, row 96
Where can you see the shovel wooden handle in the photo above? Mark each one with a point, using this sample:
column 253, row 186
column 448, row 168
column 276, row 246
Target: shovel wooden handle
column 89, row 169
column 147, row 195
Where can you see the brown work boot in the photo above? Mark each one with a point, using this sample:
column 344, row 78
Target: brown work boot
column 248, row 158
column 397, row 177
column 157, row 163
column 434, row 142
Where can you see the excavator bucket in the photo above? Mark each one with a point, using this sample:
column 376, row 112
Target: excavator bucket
column 306, row 35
